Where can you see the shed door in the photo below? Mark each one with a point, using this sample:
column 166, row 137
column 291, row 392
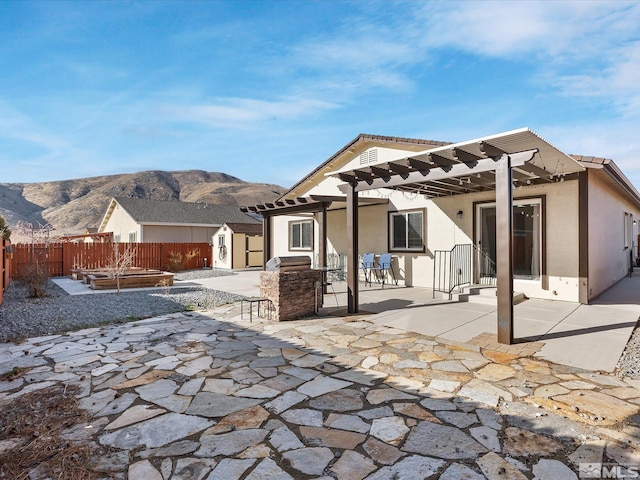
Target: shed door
column 255, row 255
column 239, row 250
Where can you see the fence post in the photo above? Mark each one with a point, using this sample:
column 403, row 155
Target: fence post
column 4, row 270
column 67, row 262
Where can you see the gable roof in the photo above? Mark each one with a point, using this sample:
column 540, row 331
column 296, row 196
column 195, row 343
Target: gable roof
column 247, row 228
column 614, row 174
column 145, row 211
column 363, row 138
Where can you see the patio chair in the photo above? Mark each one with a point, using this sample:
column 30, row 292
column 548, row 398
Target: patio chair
column 368, row 262
column 382, row 268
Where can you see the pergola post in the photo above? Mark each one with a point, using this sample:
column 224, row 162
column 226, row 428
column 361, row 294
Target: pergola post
column 322, row 236
column 352, row 250
column 504, row 248
column 321, row 218
column 266, row 240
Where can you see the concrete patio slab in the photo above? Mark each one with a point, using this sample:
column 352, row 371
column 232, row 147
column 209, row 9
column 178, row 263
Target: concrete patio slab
column 245, row 283
column 571, row 332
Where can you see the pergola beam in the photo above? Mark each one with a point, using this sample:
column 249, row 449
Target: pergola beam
column 457, row 170
column 465, row 157
column 539, row 172
column 419, row 165
column 490, row 150
column 399, row 167
column 441, row 161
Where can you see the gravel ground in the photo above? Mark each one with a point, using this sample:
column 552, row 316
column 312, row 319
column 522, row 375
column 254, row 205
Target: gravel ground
column 629, row 363
column 23, row 317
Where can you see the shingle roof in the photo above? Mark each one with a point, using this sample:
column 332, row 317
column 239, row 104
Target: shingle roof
column 248, row 228
column 588, row 159
column 363, row 137
column 143, row 210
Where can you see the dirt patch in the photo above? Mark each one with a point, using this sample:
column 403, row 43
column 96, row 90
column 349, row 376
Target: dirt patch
column 31, row 437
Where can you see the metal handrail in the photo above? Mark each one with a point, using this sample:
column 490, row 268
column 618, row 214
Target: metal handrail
column 487, row 272
column 452, row 268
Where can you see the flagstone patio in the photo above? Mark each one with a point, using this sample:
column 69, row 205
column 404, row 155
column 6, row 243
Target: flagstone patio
column 210, row 395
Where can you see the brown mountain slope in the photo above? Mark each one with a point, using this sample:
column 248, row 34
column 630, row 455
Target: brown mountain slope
column 70, row 206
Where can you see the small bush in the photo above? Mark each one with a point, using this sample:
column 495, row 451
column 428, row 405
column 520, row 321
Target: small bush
column 178, row 261
column 36, row 279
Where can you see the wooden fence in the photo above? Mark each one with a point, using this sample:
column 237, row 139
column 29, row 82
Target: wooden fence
column 5, row 272
column 61, row 258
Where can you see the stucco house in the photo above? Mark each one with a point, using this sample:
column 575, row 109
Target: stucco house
column 509, row 209
column 138, row 220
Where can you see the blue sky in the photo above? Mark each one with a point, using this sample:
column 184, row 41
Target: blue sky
column 267, row 90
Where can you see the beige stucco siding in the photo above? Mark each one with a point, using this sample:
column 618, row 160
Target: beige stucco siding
column 444, row 230
column 177, row 234
column 280, row 236
column 121, row 224
column 608, row 257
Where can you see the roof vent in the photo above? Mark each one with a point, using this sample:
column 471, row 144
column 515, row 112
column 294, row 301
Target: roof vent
column 369, row 156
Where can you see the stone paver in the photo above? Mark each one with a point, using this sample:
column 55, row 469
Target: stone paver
column 208, row 395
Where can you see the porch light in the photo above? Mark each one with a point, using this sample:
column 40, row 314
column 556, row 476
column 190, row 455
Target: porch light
column 459, row 214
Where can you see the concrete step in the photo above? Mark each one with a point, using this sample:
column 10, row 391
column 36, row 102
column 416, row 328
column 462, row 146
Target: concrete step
column 483, row 294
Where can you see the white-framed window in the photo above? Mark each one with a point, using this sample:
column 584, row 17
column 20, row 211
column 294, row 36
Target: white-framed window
column 301, row 235
column 133, row 237
column 116, row 238
column 221, row 240
column 406, row 230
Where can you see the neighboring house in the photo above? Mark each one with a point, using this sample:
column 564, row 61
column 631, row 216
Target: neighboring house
column 237, row 245
column 138, row 220
column 558, row 226
column 90, row 235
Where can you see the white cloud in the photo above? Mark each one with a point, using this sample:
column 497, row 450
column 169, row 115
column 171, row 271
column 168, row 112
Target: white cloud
column 579, row 48
column 245, row 112
column 619, row 81
column 554, row 29
column 619, row 141
column 18, row 126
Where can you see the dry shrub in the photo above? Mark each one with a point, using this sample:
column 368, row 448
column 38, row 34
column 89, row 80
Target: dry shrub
column 35, row 422
column 36, row 279
column 178, row 261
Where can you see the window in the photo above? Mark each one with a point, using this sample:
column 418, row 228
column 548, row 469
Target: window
column 221, row 240
column 407, row 229
column 133, row 237
column 301, row 235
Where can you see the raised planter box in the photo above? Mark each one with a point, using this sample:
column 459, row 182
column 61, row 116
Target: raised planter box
column 148, row 279
column 83, row 274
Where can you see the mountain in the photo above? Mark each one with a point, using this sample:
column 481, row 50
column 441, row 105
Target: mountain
column 70, row 206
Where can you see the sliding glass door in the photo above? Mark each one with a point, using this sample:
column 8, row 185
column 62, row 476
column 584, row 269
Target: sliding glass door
column 527, row 240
